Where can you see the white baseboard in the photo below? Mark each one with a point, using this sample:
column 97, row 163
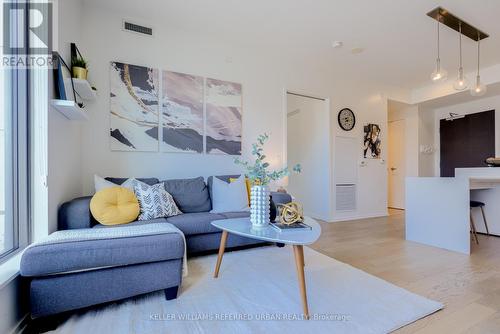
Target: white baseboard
column 359, row 216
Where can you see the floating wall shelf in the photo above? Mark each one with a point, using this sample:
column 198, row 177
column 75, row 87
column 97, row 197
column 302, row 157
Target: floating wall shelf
column 70, row 110
column 82, row 88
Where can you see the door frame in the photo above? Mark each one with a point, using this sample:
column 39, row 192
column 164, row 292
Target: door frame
column 284, row 126
column 388, row 163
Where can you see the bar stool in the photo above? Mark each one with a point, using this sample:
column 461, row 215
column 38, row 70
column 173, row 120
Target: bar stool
column 477, row 204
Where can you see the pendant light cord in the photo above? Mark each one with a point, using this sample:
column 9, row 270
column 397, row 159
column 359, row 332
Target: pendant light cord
column 478, row 51
column 460, row 41
column 439, row 20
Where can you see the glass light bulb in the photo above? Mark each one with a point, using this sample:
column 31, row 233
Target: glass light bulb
column 461, row 81
column 478, row 89
column 439, row 74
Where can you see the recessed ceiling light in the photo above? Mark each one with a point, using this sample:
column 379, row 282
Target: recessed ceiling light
column 337, row 44
column 356, row 51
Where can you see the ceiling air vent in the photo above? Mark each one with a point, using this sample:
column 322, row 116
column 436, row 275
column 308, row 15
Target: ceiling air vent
column 136, row 28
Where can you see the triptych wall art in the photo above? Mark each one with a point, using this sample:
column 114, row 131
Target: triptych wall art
column 155, row 110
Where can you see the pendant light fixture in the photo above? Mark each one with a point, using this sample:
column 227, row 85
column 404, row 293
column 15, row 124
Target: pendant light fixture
column 461, row 82
column 478, row 89
column 439, row 74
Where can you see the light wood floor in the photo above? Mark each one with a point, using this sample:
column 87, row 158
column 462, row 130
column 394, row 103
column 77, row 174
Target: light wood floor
column 469, row 286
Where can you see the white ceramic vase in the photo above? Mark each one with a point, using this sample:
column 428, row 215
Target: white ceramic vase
column 260, row 206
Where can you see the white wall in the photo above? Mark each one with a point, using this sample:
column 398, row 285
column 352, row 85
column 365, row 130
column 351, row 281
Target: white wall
column 308, row 144
column 426, row 130
column 64, row 136
column 369, row 106
column 409, row 113
column 264, row 73
column 64, row 173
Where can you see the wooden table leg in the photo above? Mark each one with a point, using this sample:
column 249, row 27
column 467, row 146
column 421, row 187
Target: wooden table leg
column 222, row 247
column 298, row 251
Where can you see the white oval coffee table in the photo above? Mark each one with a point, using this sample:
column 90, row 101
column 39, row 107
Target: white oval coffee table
column 243, row 227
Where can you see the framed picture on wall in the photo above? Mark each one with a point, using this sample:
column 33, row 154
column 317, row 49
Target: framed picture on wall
column 133, row 108
column 371, row 141
column 223, row 101
column 181, row 118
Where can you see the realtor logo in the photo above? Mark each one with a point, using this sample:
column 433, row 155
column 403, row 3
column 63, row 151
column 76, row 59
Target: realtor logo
column 37, row 38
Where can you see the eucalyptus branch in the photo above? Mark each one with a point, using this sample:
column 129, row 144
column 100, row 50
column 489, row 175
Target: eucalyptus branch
column 258, row 172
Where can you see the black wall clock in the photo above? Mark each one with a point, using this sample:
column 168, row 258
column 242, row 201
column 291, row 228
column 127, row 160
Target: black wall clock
column 346, row 119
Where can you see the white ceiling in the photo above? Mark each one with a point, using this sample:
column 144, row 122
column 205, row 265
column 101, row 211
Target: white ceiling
column 400, row 40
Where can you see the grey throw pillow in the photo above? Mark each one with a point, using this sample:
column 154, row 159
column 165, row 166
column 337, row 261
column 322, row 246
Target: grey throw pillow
column 154, row 201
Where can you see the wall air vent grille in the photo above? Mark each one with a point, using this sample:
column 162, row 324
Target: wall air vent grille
column 346, row 197
column 136, row 28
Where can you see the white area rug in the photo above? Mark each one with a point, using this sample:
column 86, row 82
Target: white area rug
column 257, row 287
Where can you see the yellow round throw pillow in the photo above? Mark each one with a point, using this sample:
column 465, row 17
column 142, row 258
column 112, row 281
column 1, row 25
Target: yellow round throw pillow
column 114, row 206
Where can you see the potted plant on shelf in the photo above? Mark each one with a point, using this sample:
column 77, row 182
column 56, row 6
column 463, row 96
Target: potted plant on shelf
column 260, row 177
column 79, row 68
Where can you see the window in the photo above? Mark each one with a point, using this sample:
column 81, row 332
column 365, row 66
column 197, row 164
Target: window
column 14, row 190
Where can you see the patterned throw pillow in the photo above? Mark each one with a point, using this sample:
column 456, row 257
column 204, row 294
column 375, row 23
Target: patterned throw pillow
column 154, row 201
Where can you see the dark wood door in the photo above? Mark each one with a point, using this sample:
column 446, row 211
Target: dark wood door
column 467, row 142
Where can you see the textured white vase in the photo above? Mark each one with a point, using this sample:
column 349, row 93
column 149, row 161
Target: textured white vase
column 260, row 206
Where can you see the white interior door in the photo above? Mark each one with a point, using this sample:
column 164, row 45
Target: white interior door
column 397, row 166
column 308, row 136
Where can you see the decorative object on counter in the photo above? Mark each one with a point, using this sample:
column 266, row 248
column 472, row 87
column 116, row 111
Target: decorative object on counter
column 493, row 162
column 260, row 177
column 372, row 142
column 291, row 213
column 79, row 68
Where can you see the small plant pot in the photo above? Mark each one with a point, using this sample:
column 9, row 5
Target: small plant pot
column 80, row 73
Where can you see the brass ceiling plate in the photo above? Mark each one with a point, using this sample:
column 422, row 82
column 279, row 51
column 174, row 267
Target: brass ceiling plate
column 450, row 20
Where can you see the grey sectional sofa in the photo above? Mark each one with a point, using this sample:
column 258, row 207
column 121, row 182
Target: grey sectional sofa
column 192, row 196
column 70, row 276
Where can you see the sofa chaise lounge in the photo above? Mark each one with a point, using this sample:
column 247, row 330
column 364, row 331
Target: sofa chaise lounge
column 71, row 275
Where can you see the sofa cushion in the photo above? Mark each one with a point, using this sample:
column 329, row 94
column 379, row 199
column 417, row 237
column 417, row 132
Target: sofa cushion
column 191, row 195
column 280, row 198
column 75, row 214
column 46, row 259
column 225, row 178
column 195, row 223
column 155, row 201
column 119, row 180
column 236, row 214
column 230, row 196
column 114, row 206
column 135, row 223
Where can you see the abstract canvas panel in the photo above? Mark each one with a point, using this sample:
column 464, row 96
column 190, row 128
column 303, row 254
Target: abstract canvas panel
column 372, row 142
column 223, row 112
column 181, row 117
column 134, row 107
